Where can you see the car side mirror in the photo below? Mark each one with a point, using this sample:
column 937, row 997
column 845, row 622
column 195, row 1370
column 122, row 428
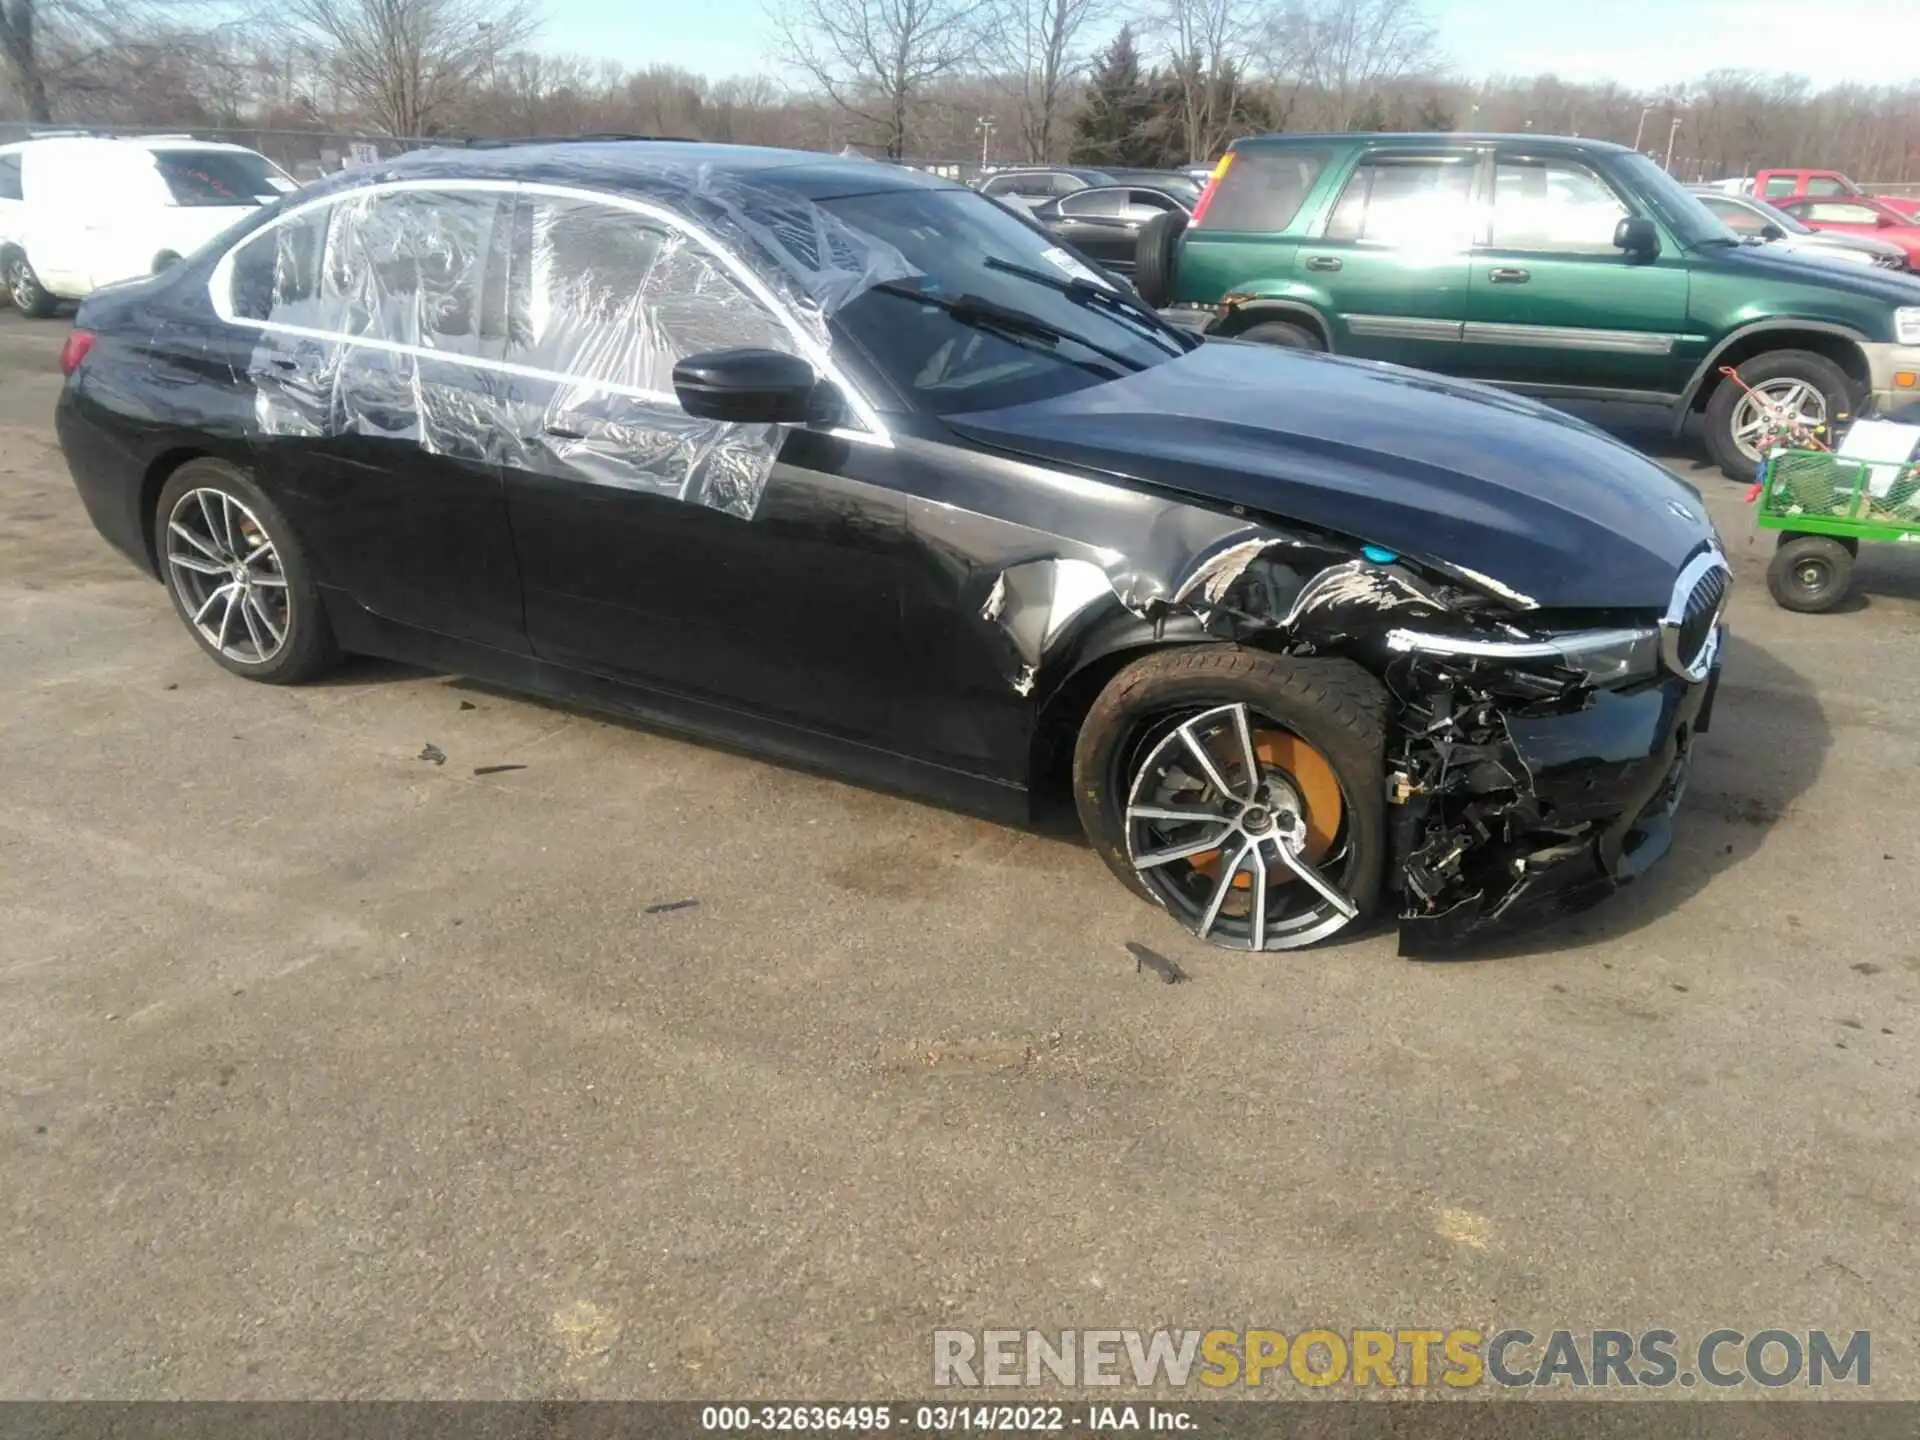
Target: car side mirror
column 747, row 387
column 1637, row 237
column 1885, row 222
column 1771, row 232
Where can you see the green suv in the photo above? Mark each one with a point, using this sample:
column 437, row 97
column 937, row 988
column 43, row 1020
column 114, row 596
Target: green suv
column 1565, row 269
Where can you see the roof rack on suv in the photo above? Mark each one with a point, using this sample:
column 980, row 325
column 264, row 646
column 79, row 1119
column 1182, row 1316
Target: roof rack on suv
column 491, row 142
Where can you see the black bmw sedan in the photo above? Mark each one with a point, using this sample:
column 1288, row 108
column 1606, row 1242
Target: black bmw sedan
column 845, row 464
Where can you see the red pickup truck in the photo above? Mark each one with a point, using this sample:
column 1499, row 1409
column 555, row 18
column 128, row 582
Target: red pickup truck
column 1776, row 187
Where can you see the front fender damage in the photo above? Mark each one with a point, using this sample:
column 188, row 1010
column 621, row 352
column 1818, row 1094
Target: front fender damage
column 1499, row 775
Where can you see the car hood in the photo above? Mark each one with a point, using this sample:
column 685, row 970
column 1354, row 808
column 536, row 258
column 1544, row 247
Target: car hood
column 1834, row 240
column 1541, row 503
column 1764, row 263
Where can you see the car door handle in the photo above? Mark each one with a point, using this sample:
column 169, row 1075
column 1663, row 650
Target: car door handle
column 1508, row 275
column 1323, row 262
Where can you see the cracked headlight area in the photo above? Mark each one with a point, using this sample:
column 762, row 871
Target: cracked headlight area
column 1607, row 658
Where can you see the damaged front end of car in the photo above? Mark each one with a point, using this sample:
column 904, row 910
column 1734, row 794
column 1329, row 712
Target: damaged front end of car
column 1534, row 758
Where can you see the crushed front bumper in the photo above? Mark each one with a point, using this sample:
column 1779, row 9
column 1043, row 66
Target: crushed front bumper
column 1599, row 788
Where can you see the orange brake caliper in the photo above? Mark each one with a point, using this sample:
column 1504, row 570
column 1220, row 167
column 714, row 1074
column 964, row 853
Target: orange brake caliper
column 1313, row 777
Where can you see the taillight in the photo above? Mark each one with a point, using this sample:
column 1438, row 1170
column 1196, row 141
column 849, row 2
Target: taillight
column 75, row 350
column 1213, row 184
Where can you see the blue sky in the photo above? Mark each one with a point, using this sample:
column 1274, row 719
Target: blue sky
column 1637, row 42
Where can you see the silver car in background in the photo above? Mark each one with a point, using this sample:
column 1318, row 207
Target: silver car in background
column 1755, row 219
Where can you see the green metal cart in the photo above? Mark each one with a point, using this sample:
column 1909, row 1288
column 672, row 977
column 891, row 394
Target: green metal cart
column 1823, row 506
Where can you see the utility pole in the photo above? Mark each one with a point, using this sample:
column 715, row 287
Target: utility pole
column 1672, row 131
column 1640, row 130
column 985, row 127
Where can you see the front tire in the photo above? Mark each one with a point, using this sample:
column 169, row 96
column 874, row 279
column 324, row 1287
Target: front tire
column 1809, row 573
column 1810, row 387
column 1282, row 334
column 29, row 296
column 1242, row 791
column 238, row 577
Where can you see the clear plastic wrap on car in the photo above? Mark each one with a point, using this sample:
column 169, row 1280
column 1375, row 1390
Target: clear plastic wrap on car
column 384, row 319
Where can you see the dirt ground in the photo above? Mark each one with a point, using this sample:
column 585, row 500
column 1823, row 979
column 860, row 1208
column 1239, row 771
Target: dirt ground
column 325, row 1070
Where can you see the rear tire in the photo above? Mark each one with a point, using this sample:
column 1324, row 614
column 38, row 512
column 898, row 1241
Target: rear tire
column 1319, row 731
column 1156, row 253
column 1279, row 332
column 1727, row 411
column 1809, row 573
column 212, row 522
column 29, row 296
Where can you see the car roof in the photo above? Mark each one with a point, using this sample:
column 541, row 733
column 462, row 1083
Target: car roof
column 1415, row 140
column 647, row 166
column 131, row 142
column 1048, row 170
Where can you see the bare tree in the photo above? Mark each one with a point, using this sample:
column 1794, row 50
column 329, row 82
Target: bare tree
column 407, row 63
column 876, row 58
column 55, row 50
column 1033, row 48
column 1346, row 51
column 1210, row 43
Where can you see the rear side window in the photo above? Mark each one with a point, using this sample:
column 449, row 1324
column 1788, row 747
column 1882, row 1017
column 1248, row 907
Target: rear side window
column 1826, row 185
column 279, row 268
column 1263, row 189
column 1554, row 206
column 1779, row 185
column 1107, row 203
column 219, row 177
column 1838, row 212
column 9, row 177
column 1406, row 200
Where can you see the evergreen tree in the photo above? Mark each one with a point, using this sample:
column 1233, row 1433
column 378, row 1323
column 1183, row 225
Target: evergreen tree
column 1113, row 126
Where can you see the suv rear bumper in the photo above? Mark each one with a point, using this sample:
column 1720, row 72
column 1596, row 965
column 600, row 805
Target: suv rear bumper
column 1884, row 363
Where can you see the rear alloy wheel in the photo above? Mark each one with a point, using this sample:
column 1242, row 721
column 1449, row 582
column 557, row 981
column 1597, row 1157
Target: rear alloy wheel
column 29, row 296
column 1783, row 387
column 1241, row 791
column 1809, row 573
column 237, row 576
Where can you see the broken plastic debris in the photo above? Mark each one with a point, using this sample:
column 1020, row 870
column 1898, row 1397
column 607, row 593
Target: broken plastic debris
column 495, row 769
column 662, row 906
column 433, row 753
column 1150, row 959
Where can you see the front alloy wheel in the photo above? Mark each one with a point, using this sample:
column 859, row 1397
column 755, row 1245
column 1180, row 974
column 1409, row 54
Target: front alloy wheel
column 1236, row 827
column 1778, row 406
column 1243, row 791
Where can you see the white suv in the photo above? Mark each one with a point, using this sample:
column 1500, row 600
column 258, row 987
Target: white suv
column 81, row 211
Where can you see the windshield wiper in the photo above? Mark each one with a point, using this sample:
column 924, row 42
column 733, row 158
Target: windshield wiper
column 1096, row 296
column 982, row 313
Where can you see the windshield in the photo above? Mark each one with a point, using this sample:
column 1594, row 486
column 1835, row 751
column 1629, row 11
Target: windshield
column 998, row 315
column 1679, row 209
column 220, row 177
